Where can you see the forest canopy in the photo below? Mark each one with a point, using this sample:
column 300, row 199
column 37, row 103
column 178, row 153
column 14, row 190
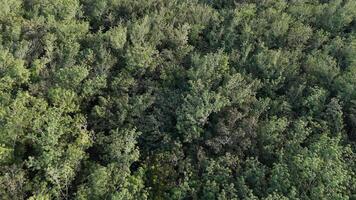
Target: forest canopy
column 178, row 99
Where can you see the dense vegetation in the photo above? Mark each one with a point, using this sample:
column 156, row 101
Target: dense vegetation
column 178, row 99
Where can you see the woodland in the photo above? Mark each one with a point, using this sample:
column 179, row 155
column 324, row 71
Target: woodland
column 178, row 99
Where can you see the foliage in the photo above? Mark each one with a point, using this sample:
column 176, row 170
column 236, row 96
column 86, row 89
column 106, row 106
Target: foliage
column 177, row 99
